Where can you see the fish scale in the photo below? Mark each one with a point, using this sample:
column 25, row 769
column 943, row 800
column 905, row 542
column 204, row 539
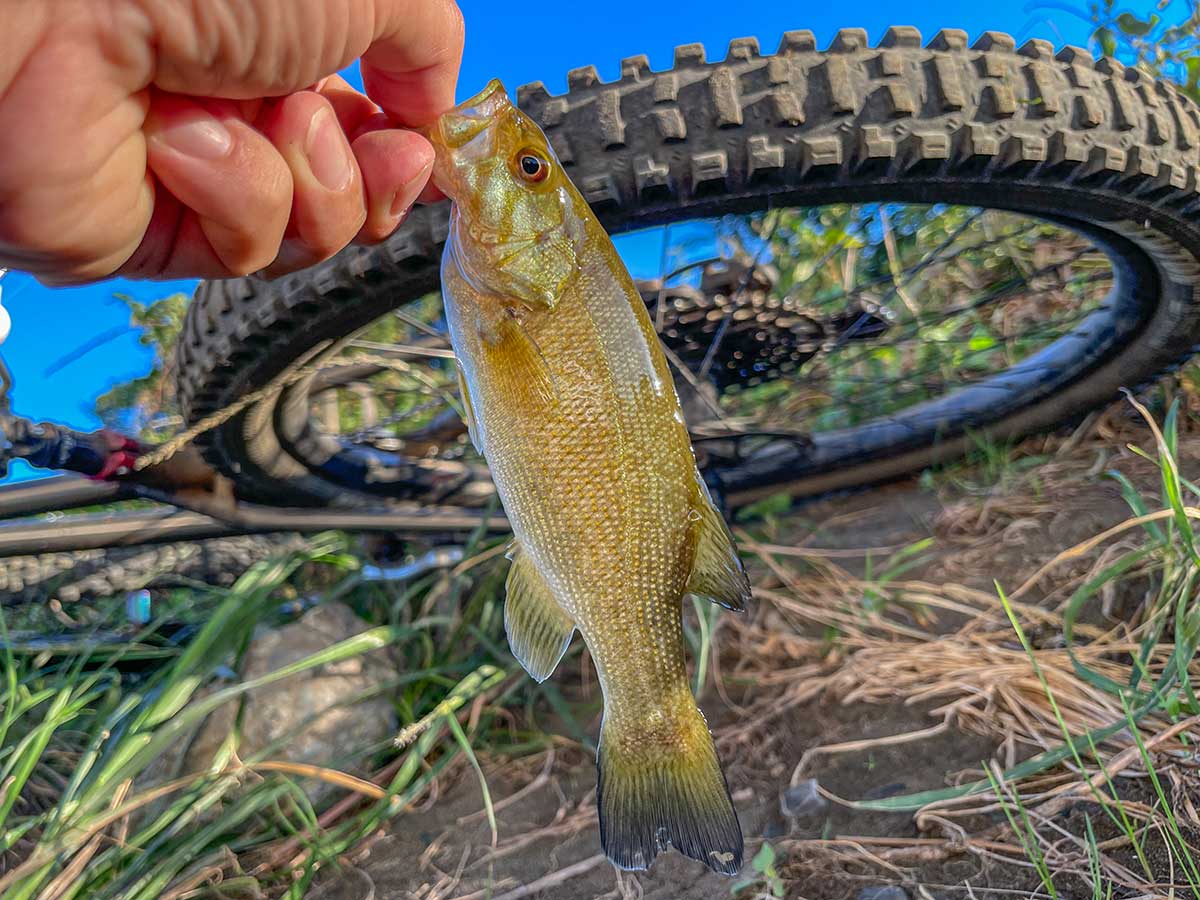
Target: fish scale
column 570, row 400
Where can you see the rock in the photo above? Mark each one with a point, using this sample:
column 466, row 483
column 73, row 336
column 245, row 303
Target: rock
column 883, row 893
column 803, row 799
column 774, row 828
column 314, row 715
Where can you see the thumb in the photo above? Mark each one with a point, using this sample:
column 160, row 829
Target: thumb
column 412, row 65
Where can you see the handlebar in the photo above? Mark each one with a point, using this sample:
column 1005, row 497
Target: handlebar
column 98, row 454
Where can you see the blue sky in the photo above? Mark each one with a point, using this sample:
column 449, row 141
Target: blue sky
column 516, row 42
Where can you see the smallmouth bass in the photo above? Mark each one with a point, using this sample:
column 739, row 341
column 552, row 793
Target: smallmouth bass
column 569, row 398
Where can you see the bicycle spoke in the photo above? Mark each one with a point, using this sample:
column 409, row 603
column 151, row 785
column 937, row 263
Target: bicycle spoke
column 802, row 321
column 421, row 326
column 402, row 349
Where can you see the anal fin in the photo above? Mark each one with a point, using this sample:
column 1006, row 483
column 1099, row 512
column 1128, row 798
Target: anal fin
column 539, row 632
column 717, row 573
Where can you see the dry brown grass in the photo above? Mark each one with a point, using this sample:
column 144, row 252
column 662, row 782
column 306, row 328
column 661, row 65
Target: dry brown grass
column 950, row 647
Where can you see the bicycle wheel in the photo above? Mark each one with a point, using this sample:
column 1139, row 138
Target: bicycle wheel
column 1052, row 167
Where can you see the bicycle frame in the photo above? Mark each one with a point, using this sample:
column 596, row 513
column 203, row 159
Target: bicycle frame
column 175, row 503
column 184, row 499
column 181, row 500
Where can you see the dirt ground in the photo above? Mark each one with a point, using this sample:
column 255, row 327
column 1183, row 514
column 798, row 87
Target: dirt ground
column 548, row 845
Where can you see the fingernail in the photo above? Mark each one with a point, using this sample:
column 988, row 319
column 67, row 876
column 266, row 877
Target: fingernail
column 328, row 155
column 202, row 137
column 400, row 203
column 405, row 197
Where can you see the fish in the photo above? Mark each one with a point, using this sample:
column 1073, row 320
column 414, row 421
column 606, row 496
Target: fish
column 569, row 398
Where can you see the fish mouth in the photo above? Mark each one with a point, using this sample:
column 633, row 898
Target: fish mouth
column 462, row 124
column 465, row 133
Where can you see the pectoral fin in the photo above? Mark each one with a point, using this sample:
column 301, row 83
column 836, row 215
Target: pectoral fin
column 539, row 632
column 717, row 573
column 468, row 409
column 523, row 356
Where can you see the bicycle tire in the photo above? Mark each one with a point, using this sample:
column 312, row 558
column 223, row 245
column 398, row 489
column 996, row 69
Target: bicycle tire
column 1056, row 135
column 89, row 574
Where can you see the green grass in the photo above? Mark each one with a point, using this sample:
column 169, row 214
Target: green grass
column 1169, row 558
column 80, row 732
column 989, row 466
column 1026, row 832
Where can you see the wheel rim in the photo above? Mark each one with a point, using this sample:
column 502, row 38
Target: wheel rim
column 1089, row 323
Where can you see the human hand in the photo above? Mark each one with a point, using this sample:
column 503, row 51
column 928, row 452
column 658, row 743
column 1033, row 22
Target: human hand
column 174, row 138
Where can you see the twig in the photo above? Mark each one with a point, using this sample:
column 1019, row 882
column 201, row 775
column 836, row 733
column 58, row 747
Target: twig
column 542, row 779
column 853, row 746
column 545, row 882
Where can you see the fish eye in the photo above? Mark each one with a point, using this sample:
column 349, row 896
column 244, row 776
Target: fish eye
column 532, row 167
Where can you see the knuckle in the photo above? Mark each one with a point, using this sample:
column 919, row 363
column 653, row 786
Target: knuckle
column 456, row 27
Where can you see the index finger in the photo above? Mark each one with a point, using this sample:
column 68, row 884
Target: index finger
column 412, row 65
column 247, row 49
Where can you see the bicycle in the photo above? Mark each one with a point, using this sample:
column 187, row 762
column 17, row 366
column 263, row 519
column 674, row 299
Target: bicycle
column 860, row 191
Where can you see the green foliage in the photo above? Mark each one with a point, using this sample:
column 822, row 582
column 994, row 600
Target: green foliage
column 765, row 882
column 146, row 404
column 988, row 466
column 1165, row 43
column 770, row 507
column 965, row 293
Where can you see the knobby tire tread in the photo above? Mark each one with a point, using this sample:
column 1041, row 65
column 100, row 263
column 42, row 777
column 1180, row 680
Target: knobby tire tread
column 1032, row 129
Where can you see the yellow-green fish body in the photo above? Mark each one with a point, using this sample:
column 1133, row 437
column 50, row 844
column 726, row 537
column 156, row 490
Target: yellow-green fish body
column 570, row 400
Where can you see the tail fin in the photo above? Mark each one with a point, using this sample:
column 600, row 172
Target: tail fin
column 653, row 794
